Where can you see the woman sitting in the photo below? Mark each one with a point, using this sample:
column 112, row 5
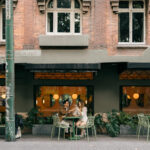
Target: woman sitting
column 83, row 120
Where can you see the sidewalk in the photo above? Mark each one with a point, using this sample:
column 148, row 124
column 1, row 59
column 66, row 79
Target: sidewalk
column 29, row 142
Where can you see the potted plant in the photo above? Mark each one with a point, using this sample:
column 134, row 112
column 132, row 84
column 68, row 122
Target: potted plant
column 39, row 124
column 128, row 123
column 108, row 123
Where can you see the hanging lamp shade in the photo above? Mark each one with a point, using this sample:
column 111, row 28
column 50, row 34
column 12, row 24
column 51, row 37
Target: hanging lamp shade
column 136, row 95
column 56, row 96
column 74, row 96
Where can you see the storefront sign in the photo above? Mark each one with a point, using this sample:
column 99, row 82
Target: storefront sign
column 65, row 76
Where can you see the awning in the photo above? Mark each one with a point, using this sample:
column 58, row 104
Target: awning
column 138, row 66
column 63, row 67
column 76, row 57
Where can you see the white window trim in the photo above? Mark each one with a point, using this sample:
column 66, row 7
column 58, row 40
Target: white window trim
column 55, row 12
column 1, row 27
column 130, row 10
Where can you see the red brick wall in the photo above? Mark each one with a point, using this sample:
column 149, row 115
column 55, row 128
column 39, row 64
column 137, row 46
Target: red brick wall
column 100, row 23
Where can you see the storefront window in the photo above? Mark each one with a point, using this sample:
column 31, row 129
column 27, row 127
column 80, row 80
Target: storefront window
column 50, row 98
column 135, row 99
column 2, row 98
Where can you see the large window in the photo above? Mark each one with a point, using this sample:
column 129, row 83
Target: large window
column 2, row 99
column 136, row 99
column 63, row 16
column 48, row 103
column 131, row 21
column 2, row 24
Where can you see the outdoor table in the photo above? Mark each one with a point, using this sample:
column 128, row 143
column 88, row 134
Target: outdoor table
column 73, row 118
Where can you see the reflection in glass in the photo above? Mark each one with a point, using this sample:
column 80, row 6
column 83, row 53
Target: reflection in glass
column 77, row 4
column 124, row 4
column 138, row 4
column 138, row 105
column 50, row 4
column 50, row 22
column 138, row 27
column 77, row 23
column 63, row 3
column 52, row 100
column 3, row 24
column 65, row 97
column 124, row 27
column 63, row 22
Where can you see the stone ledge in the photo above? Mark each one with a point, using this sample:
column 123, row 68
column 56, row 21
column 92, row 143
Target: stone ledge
column 86, row 4
column 115, row 5
column 64, row 40
column 2, row 43
column 132, row 46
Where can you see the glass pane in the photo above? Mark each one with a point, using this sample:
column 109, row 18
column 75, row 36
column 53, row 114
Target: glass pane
column 124, row 27
column 135, row 99
column 138, row 4
column 77, row 23
column 3, row 24
column 50, row 4
column 138, row 20
column 77, row 4
column 63, row 22
column 124, row 4
column 63, row 3
column 50, row 22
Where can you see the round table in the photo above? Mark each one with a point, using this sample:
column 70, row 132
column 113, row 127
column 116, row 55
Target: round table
column 73, row 119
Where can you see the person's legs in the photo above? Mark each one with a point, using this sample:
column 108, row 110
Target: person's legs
column 65, row 123
column 82, row 130
column 78, row 123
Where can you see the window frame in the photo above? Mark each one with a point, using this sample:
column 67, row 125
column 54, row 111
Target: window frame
column 55, row 12
column 132, row 10
column 1, row 24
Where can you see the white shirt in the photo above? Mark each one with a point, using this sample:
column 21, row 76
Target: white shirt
column 84, row 117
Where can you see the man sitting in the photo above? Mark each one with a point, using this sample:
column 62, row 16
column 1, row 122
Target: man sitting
column 64, row 111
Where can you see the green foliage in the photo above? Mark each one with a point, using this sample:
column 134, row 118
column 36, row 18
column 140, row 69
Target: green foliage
column 111, row 125
column 114, row 120
column 98, row 121
column 126, row 119
column 35, row 117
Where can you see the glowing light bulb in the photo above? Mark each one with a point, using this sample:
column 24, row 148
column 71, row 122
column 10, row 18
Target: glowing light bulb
column 4, row 96
column 56, row 96
column 74, row 96
column 136, row 95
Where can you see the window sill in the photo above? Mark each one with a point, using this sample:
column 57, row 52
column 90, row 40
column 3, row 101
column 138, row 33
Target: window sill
column 132, row 46
column 63, row 40
column 2, row 43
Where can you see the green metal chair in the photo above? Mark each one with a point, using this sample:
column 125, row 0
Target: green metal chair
column 143, row 122
column 139, row 123
column 89, row 124
column 57, row 124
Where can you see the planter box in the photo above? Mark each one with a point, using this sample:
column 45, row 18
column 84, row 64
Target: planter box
column 127, row 130
column 2, row 129
column 41, row 129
